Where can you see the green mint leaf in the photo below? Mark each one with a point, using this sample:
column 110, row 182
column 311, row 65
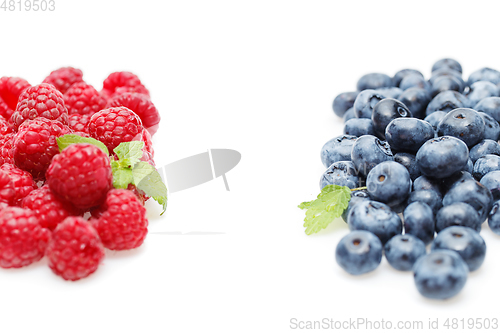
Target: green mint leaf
column 129, row 153
column 69, row 139
column 122, row 177
column 329, row 205
column 147, row 179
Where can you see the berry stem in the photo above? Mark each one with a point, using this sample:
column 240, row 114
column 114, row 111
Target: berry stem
column 359, row 188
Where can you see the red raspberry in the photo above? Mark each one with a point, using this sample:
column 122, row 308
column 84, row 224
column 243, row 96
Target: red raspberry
column 121, row 223
column 64, row 77
column 81, row 175
column 82, row 98
column 22, row 181
column 113, row 126
column 79, row 122
column 75, row 250
column 121, row 82
column 142, row 106
column 4, row 127
column 148, row 143
column 140, row 194
column 7, row 190
column 6, row 152
column 22, row 239
column 42, row 100
column 35, row 144
column 50, row 210
column 10, row 90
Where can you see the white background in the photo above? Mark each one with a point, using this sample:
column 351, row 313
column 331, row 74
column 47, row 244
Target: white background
column 258, row 77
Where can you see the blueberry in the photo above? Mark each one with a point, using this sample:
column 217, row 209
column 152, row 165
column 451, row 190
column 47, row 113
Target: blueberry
column 444, row 83
column 494, row 218
column 491, row 106
column 416, row 99
column 458, row 213
column 473, row 193
column 375, row 217
column 374, row 81
column 389, row 182
column 364, row 103
column 464, row 124
column 435, row 118
column 482, row 148
column 491, row 181
column 349, row 114
column 340, row 173
column 408, row 161
column 469, row 167
column 440, row 274
column 402, row 251
column 486, row 164
column 419, row 221
column 426, row 183
column 359, row 127
column 484, row 74
column 356, row 197
column 464, row 241
column 385, row 111
column 491, row 127
column 480, row 90
column 337, row 149
column 447, row 63
column 447, row 101
column 392, row 92
column 441, row 157
column 359, row 252
column 396, row 79
column 344, row 102
column 408, row 134
column 429, row 197
column 414, row 81
column 455, row 179
column 448, row 72
column 368, row 151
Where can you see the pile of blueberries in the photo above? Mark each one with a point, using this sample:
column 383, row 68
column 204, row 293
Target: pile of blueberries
column 428, row 153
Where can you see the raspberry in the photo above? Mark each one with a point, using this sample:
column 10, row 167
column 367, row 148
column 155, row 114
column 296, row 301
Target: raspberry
column 121, row 223
column 42, row 100
column 142, row 106
column 6, row 153
column 22, row 239
column 10, row 90
column 113, row 126
column 75, row 250
column 4, row 127
column 148, row 143
column 122, row 82
column 79, row 122
column 140, row 194
column 7, row 190
column 82, row 98
column 64, row 77
column 35, row 144
column 81, row 175
column 22, row 181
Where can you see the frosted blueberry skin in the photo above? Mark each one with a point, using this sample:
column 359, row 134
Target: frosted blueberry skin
column 359, row 252
column 494, row 218
column 340, row 173
column 389, row 182
column 416, row 100
column 469, row 167
column 408, row 134
column 441, row 157
column 344, row 102
column 359, row 127
column 349, row 114
column 440, row 274
column 337, row 149
column 465, row 241
column 391, row 92
column 396, row 79
column 489, row 105
column 484, row 74
column 486, row 164
column 434, row 119
column 491, row 181
column 369, row 151
column 447, row 63
column 458, row 214
column 483, row 148
column 445, row 83
column 385, row 111
column 491, row 127
column 408, row 161
column 364, row 103
column 447, row 72
column 447, row 101
column 464, row 124
column 419, row 221
column 375, row 217
column 402, row 251
column 426, row 183
column 473, row 193
column 429, row 197
column 356, row 197
column 480, row 90
column 414, row 81
column 374, row 81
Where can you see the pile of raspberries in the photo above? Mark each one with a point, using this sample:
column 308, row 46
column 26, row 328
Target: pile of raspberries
column 62, row 204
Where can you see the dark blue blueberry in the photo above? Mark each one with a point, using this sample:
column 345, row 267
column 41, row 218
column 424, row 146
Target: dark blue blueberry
column 402, row 251
column 368, row 151
column 349, row 114
column 441, row 157
column 364, row 103
column 340, row 173
column 435, row 118
column 416, row 99
column 486, row 164
column 392, row 92
column 447, row 63
column 414, row 81
column 375, row 217
column 419, row 221
column 447, row 72
column 337, row 149
column 408, row 134
column 359, row 127
column 440, row 274
column 473, row 193
column 483, row 148
column 457, row 178
column 447, row 101
column 491, row 127
column 458, row 213
column 494, row 218
column 374, row 81
column 429, row 197
column 426, row 183
column 389, row 182
column 445, row 83
column 464, row 124
column 356, row 197
column 385, row 111
column 396, row 79
column 344, row 102
column 408, row 161
column 464, row 241
column 480, row 90
column 491, row 181
column 359, row 252
column 484, row 74
column 491, row 106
